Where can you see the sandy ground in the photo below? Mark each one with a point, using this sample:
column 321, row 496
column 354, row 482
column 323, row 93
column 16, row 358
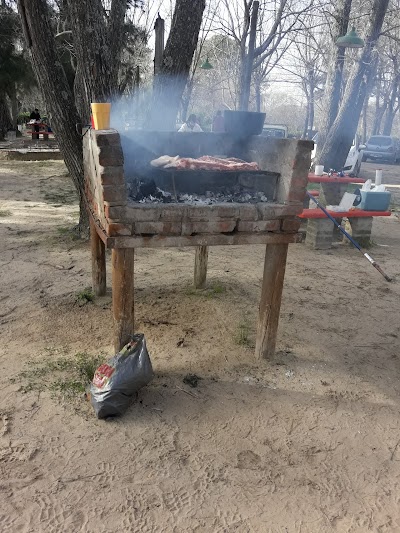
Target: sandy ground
column 308, row 442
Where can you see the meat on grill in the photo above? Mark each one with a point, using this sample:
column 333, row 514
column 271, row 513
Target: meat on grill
column 206, row 162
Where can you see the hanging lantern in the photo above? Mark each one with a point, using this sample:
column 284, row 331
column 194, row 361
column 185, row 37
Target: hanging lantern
column 206, row 65
column 350, row 40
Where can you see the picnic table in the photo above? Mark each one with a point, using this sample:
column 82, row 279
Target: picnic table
column 320, row 231
column 332, row 187
column 43, row 130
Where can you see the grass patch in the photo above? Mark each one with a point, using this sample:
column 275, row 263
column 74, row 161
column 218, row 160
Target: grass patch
column 85, row 296
column 5, row 213
column 217, row 288
column 64, row 376
column 70, row 233
column 65, row 236
column 58, row 193
column 242, row 335
column 209, row 292
column 61, row 197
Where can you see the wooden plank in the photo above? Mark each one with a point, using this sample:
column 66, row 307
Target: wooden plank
column 271, row 296
column 98, row 261
column 122, row 296
column 312, row 178
column 354, row 213
column 200, row 267
column 219, row 239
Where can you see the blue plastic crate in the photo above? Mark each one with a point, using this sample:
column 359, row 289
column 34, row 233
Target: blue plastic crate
column 375, row 201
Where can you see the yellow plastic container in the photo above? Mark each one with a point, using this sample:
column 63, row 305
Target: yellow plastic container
column 101, row 116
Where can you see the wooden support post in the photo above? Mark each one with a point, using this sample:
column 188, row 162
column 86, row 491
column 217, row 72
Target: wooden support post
column 122, row 295
column 98, row 261
column 200, row 267
column 159, row 28
column 270, row 304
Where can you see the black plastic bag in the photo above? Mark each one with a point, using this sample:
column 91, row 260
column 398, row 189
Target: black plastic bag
column 115, row 382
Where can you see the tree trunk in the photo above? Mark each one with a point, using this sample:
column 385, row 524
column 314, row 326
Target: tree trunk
column 391, row 109
column 389, row 119
column 171, row 80
column 311, row 114
column 333, row 85
column 341, row 134
column 365, row 121
column 5, row 117
column 80, row 96
column 97, row 46
column 257, row 90
column 247, row 65
column 379, row 110
column 14, row 107
column 186, row 98
column 55, row 90
column 306, row 120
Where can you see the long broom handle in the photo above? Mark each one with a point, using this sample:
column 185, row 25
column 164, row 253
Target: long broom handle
column 353, row 242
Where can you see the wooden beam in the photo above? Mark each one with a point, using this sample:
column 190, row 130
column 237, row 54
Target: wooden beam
column 122, row 296
column 215, row 239
column 270, row 304
column 99, row 276
column 200, row 267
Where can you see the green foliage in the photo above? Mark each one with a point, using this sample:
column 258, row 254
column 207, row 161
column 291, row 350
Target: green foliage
column 85, row 296
column 242, row 335
column 209, row 292
column 14, row 66
column 65, row 376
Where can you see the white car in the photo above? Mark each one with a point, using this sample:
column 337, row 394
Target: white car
column 352, row 165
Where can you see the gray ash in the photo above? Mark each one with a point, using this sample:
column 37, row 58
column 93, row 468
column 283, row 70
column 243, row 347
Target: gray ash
column 147, row 192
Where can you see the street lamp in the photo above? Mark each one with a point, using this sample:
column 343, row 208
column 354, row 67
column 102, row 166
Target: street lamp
column 350, row 40
column 206, row 65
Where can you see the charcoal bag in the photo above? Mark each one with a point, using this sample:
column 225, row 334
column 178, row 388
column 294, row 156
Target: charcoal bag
column 117, row 381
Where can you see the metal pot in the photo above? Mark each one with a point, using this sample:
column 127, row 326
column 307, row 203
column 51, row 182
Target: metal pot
column 244, row 123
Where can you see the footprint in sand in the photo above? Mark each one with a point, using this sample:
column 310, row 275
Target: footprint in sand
column 248, row 460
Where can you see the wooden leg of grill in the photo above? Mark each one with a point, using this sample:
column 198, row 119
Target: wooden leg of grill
column 122, row 295
column 98, row 262
column 200, row 267
column 271, row 296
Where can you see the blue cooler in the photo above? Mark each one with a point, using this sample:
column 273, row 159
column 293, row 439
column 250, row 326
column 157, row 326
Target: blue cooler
column 375, row 201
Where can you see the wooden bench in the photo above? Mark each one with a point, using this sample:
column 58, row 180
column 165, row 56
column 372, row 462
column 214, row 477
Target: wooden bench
column 320, row 228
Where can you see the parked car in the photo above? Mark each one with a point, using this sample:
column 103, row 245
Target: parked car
column 354, row 158
column 382, row 147
column 279, row 131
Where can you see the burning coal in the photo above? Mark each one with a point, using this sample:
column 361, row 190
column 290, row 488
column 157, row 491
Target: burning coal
column 148, row 192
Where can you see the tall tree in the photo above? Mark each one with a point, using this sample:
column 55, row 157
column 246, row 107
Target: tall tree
column 334, row 81
column 56, row 91
column 173, row 75
column 97, row 45
column 343, row 129
column 275, row 22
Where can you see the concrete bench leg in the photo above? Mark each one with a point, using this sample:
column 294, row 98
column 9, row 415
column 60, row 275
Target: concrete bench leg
column 361, row 229
column 332, row 193
column 319, row 233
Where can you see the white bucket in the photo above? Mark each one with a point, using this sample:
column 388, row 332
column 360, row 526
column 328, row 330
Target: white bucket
column 319, row 170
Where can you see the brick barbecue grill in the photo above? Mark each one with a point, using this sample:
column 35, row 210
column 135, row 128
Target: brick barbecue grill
column 122, row 224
